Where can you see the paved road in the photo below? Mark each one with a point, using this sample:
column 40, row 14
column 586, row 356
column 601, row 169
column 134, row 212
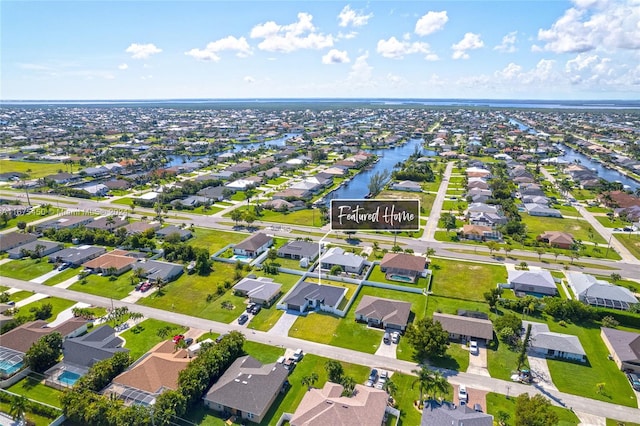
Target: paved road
column 586, row 405
column 434, row 215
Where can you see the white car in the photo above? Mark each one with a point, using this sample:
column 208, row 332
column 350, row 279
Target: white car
column 297, row 355
column 473, row 347
column 395, row 337
column 462, row 394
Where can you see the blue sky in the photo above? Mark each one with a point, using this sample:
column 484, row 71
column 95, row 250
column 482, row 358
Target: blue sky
column 580, row 49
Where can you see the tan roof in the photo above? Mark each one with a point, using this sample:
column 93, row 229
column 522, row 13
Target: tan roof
column 404, row 261
column 557, row 237
column 325, row 406
column 160, row 369
column 114, row 259
column 22, row 337
column 388, row 311
column 475, row 229
column 465, row 326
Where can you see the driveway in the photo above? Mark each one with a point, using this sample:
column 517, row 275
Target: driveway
column 478, row 362
column 43, row 278
column 388, row 351
column 67, row 314
column 281, row 328
column 540, row 372
column 590, row 419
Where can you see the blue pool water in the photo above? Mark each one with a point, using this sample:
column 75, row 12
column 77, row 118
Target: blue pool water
column 68, row 378
column 8, row 368
column 400, row 278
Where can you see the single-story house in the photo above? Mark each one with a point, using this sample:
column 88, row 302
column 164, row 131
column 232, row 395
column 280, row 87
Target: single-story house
column 247, row 389
column 299, row 249
column 154, row 270
column 383, row 313
column 480, row 233
column 259, row 290
column 281, row 205
column 592, row 291
column 541, row 210
column 192, row 201
column 349, row 262
column 96, row 189
column 215, row 193
column 184, row 234
column 306, row 296
column 64, row 222
column 107, row 223
column 366, row 407
column 537, row 282
column 140, row 227
column 406, row 185
column 404, row 267
column 254, row 245
column 118, row 184
column 558, row 239
column 14, row 239
column 465, row 328
column 487, row 219
column 116, row 261
column 445, row 413
column 76, row 255
column 624, row 347
column 555, row 345
column 46, row 248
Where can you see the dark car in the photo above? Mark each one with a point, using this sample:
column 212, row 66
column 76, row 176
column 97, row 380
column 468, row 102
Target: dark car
column 635, row 381
column 243, row 318
column 256, row 309
column 250, row 306
column 188, row 341
column 220, row 337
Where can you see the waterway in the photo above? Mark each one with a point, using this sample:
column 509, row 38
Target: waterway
column 357, row 188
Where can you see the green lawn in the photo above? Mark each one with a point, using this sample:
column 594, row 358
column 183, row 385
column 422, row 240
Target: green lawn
column 379, row 276
column 451, row 278
column 598, row 209
column 209, row 210
column 615, row 223
column 266, row 354
column 454, row 206
column 426, row 200
column 141, row 338
column 25, row 269
column 497, row 402
column 37, row 419
column 406, row 394
column 34, row 169
column 214, row 239
column 612, row 422
column 126, row 201
column 20, row 295
column 306, row 217
column 63, row 276
column 566, row 210
column 103, row 286
column 578, row 228
column 35, row 389
column 631, row 242
column 29, row 217
column 195, row 289
column 501, row 360
column 277, row 181
column 58, row 305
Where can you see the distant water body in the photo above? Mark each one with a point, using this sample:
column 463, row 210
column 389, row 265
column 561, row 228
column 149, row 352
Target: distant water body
column 475, row 103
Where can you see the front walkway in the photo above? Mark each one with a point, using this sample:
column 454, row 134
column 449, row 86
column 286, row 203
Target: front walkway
column 67, row 314
column 31, row 299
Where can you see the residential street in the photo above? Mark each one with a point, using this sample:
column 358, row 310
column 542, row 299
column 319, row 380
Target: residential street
column 593, row 407
column 434, row 215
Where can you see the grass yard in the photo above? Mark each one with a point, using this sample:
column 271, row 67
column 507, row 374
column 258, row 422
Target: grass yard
column 615, row 223
column 20, row 295
column 426, row 200
column 612, row 422
column 33, row 388
column 214, row 239
column 536, row 225
column 581, row 379
column 103, row 286
column 566, row 210
column 598, row 209
column 195, row 289
column 29, row 217
column 266, row 354
column 37, row 419
column 63, row 276
column 454, row 206
column 266, row 318
column 453, row 279
column 278, row 181
column 631, row 242
column 25, row 269
column 379, row 276
column 306, row 217
column 35, row 170
column 497, row 403
column 144, row 336
column 125, row 201
column 209, row 210
column 501, row 360
column 58, row 305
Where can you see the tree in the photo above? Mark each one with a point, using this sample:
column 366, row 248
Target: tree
column 378, row 181
column 5, row 218
column 534, row 411
column 522, row 356
column 493, row 296
column 18, row 408
column 507, row 249
column 334, row 371
column 309, row 380
column 349, row 384
column 492, row 246
column 427, row 338
column 615, row 277
column 390, row 387
column 249, row 217
column 44, row 353
column 249, row 193
column 430, row 252
column 203, row 262
column 429, row 382
column 449, row 221
column 22, row 225
column 540, row 251
column 236, row 215
column 336, row 270
column 503, row 417
column 508, row 320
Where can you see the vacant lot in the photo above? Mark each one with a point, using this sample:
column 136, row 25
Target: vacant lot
column 213, row 239
column 25, row 269
column 426, row 200
column 35, row 170
column 306, row 217
column 105, row 286
column 578, row 228
column 144, row 336
column 631, row 242
column 452, row 279
column 58, row 305
column 497, row 403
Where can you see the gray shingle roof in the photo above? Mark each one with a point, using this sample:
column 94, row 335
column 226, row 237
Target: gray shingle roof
column 465, row 326
column 386, row 310
column 337, row 256
column 254, row 242
column 304, row 291
column 542, row 338
column 446, row 414
column 299, row 248
column 260, row 288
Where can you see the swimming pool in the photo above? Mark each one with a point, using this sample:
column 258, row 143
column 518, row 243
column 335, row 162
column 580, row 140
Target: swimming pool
column 69, row 378
column 400, row 278
column 7, row 368
column 242, row 258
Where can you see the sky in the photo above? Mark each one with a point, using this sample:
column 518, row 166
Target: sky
column 473, row 49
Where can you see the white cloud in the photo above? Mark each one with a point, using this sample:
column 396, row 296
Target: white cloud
column 123, row 66
column 142, row 51
column 470, row 41
column 510, row 72
column 288, row 38
column 508, row 44
column 594, row 24
column 249, row 79
column 361, row 71
column 356, row 18
column 431, row 22
column 589, row 68
column 335, row 56
column 346, row 36
column 211, row 51
column 396, row 49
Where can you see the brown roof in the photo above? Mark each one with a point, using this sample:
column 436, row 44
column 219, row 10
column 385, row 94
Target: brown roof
column 114, row 259
column 321, row 407
column 404, row 261
column 14, row 239
column 465, row 326
column 387, row 310
column 556, row 237
column 254, row 242
column 160, row 369
column 140, row 227
column 475, row 229
column 622, row 199
column 24, row 336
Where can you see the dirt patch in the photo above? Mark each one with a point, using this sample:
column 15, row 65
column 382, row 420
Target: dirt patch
column 473, row 268
column 575, row 228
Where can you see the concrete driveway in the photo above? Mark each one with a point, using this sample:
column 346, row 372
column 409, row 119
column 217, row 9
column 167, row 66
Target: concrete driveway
column 44, row 277
column 590, row 419
column 540, row 372
column 387, row 350
column 281, row 328
column 478, row 362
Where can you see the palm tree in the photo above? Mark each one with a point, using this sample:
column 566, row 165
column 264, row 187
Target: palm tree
column 390, row 387
column 18, row 407
column 309, row 380
column 423, row 381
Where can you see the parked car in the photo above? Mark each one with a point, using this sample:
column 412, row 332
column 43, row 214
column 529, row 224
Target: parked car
column 387, row 338
column 395, row 337
column 63, row 266
column 297, row 355
column 635, row 380
column 382, row 380
column 220, row 337
column 289, row 364
column 255, row 309
column 146, row 286
column 473, row 347
column 250, row 306
column 477, row 407
column 462, row 394
column 177, row 338
column 243, row 318
column 373, row 377
column 188, row 341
